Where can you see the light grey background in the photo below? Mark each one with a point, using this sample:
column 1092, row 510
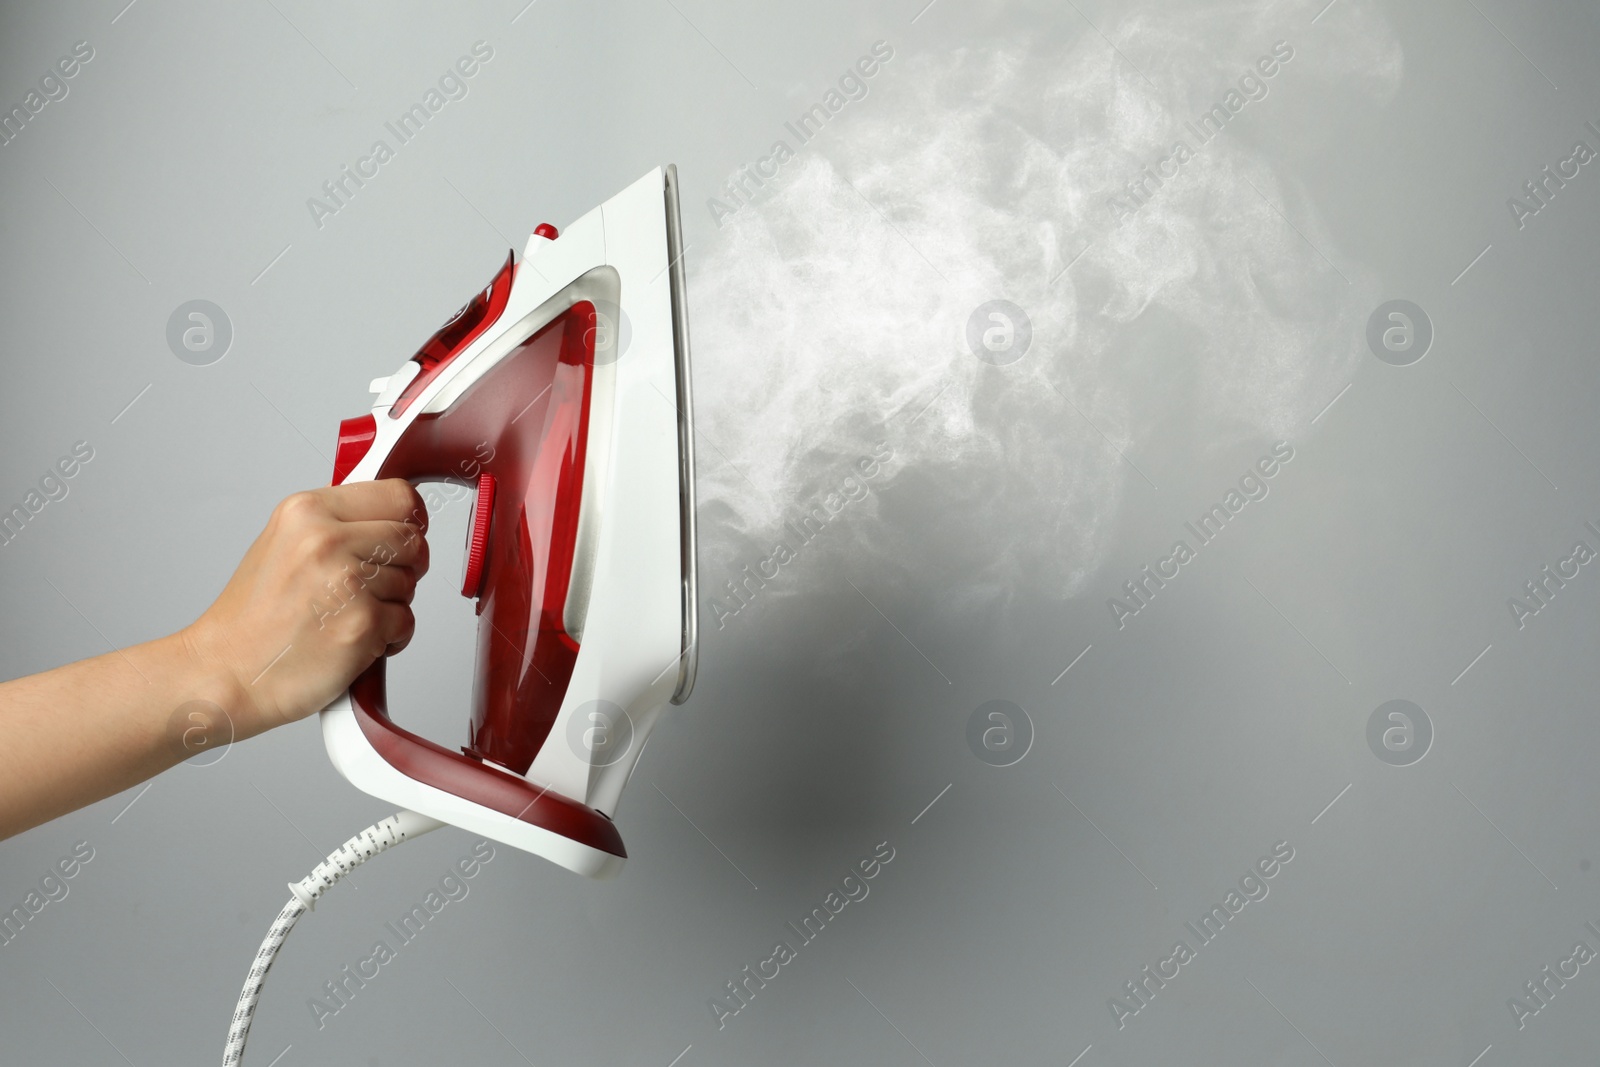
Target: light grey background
column 1222, row 719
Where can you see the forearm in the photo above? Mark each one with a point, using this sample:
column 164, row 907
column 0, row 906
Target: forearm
column 88, row 730
column 323, row 592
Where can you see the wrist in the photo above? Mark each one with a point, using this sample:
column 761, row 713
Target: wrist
column 210, row 685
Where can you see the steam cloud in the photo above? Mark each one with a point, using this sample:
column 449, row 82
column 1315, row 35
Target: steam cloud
column 832, row 314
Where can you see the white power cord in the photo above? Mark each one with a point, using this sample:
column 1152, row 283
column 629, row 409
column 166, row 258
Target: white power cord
column 401, row 826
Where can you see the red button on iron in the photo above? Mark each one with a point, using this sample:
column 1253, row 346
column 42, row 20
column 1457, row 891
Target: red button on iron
column 547, row 231
column 478, row 536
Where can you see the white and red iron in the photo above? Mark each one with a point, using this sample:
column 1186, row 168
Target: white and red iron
column 561, row 394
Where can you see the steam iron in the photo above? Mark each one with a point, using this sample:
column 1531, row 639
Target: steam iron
column 560, row 394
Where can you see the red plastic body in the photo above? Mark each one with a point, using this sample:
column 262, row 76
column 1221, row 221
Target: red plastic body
column 421, row 759
column 355, row 440
column 464, row 327
column 530, row 417
column 521, row 433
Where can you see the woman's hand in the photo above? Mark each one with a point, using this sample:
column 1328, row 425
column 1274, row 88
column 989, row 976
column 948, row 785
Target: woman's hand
column 325, row 590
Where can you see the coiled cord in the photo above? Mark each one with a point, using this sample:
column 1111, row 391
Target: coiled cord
column 401, row 826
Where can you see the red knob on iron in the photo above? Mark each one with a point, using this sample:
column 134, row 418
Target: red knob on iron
column 545, row 230
column 478, row 537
